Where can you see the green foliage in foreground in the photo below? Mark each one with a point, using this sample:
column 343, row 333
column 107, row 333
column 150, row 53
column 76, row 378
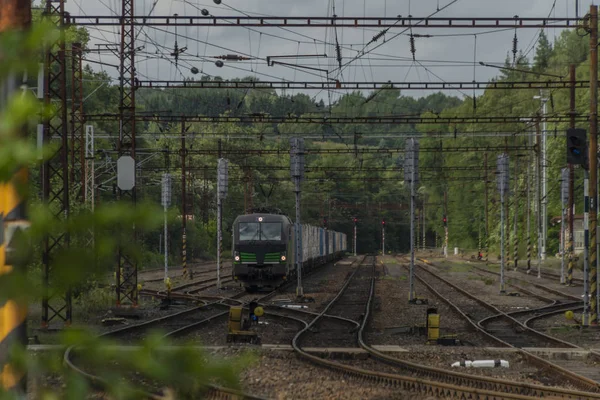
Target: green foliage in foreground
column 123, row 375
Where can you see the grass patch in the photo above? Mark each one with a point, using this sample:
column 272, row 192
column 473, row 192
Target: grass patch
column 394, row 278
column 459, row 267
column 563, row 329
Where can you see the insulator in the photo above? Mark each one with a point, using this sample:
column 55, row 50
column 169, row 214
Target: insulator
column 412, row 46
column 379, row 35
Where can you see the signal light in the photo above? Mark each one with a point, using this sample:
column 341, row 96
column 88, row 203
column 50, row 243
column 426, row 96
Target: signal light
column 445, row 220
column 576, row 146
column 355, row 220
column 383, row 222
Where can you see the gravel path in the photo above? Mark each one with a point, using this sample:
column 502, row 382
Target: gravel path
column 281, row 375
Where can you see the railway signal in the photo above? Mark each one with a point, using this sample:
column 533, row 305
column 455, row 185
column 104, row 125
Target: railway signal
column 577, row 146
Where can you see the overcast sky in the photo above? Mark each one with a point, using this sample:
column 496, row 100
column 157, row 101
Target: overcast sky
column 448, row 58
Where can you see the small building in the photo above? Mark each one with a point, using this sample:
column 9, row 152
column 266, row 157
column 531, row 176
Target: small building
column 577, row 231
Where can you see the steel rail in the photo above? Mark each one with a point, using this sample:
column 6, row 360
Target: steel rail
column 440, row 388
column 195, row 273
column 461, row 379
column 499, row 313
column 213, row 392
column 539, row 286
column 577, row 380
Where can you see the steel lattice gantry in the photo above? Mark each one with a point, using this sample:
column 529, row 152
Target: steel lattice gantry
column 339, row 85
column 292, row 119
column 55, row 183
column 126, row 273
column 77, row 175
column 399, row 22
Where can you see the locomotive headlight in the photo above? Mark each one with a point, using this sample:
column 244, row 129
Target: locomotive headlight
column 236, row 258
column 283, row 258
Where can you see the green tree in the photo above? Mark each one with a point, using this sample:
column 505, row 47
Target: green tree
column 543, row 53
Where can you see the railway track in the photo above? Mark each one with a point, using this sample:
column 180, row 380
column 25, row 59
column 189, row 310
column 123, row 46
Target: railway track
column 549, row 273
column 496, row 322
column 427, row 381
column 349, row 305
column 176, row 271
column 210, row 392
column 544, row 288
column 582, row 381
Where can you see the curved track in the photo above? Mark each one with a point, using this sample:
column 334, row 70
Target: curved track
column 504, row 338
column 428, row 381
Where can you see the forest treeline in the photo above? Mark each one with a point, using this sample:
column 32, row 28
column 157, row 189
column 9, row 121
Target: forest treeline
column 373, row 190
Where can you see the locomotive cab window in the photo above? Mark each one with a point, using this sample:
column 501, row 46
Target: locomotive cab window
column 270, row 231
column 249, row 231
column 260, row 231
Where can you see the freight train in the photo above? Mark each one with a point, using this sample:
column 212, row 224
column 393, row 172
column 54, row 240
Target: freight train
column 263, row 249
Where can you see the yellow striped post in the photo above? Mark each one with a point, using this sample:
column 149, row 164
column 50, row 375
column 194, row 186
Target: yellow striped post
column 570, row 266
column 14, row 14
column 13, row 312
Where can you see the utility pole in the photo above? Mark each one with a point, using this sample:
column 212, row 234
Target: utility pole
column 411, row 165
column 418, row 224
column 487, row 244
column 593, row 163
column 16, row 14
column 55, row 179
column 528, row 208
column 544, row 177
column 571, row 202
column 183, row 202
column 564, row 197
column 383, row 237
column 538, row 143
column 423, row 217
column 516, row 202
column 503, row 188
column 297, row 172
column 127, row 268
column 219, row 214
column 446, row 223
column 354, row 238
column 166, row 202
column 222, row 183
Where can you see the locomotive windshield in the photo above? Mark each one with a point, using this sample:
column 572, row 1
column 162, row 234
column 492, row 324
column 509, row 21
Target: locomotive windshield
column 270, row 231
column 260, row 231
